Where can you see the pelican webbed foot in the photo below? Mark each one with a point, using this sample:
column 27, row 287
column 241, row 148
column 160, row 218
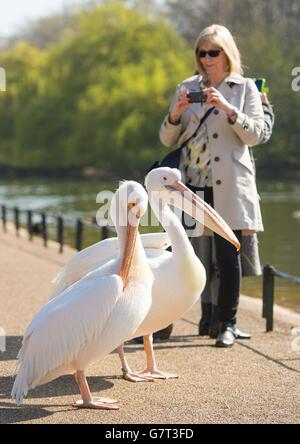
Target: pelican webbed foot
column 87, row 401
column 136, row 377
column 157, row 374
column 98, row 403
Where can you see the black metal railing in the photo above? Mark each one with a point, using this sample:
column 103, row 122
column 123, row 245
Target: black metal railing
column 269, row 274
column 3, row 217
column 41, row 228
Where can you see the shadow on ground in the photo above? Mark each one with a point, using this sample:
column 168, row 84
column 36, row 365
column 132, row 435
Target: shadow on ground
column 276, row 361
column 9, row 414
column 64, row 386
column 174, row 342
column 14, row 343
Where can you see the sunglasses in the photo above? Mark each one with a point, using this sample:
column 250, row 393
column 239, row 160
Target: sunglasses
column 211, row 53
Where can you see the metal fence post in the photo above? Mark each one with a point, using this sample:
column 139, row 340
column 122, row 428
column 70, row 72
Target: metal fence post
column 104, row 232
column 268, row 296
column 60, row 233
column 79, row 230
column 17, row 220
column 3, row 215
column 29, row 224
column 44, row 229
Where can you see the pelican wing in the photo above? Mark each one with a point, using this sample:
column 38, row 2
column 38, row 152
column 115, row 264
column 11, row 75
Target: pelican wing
column 62, row 327
column 99, row 254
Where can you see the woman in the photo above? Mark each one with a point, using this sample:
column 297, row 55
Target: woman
column 250, row 260
column 215, row 157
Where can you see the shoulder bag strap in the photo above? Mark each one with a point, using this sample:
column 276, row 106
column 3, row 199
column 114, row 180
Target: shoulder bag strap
column 172, row 159
column 208, row 112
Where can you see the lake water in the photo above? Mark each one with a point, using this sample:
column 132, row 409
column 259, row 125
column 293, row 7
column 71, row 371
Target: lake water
column 279, row 243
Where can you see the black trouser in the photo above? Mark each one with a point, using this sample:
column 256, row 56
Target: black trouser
column 229, row 264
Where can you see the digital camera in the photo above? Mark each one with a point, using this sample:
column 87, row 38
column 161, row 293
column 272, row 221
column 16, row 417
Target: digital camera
column 197, row 96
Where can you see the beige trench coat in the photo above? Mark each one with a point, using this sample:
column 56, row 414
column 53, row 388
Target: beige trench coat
column 235, row 193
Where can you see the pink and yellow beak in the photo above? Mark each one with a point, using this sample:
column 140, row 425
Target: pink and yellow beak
column 127, row 259
column 204, row 213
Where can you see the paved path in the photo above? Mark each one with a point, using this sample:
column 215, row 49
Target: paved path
column 257, row 381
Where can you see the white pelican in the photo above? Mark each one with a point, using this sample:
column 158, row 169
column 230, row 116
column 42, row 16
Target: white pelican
column 93, row 316
column 179, row 277
column 99, row 254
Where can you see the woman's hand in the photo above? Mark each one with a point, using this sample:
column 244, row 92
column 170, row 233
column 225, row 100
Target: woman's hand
column 215, row 98
column 182, row 104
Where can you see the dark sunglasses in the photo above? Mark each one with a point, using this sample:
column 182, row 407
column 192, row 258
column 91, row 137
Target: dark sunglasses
column 211, row 53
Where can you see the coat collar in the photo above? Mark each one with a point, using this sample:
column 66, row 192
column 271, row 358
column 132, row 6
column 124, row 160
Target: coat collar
column 227, row 86
column 231, row 78
column 235, row 78
column 226, row 89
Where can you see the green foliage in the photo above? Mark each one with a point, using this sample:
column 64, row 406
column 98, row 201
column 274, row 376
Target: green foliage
column 94, row 98
column 268, row 34
column 91, row 88
column 267, row 58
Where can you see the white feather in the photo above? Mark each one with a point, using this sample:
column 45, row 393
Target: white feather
column 86, row 321
column 62, row 328
column 179, row 277
column 99, row 254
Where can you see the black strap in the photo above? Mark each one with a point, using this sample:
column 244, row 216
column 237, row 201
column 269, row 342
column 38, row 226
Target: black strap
column 172, row 159
column 208, row 112
column 206, row 115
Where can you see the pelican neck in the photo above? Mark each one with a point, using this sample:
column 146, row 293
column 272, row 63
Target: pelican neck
column 172, row 225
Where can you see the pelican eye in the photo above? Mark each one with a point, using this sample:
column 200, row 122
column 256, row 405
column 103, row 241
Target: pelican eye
column 131, row 205
column 164, row 178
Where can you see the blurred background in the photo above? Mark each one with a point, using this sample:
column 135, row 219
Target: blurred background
column 89, row 82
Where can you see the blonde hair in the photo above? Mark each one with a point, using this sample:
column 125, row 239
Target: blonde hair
column 222, row 38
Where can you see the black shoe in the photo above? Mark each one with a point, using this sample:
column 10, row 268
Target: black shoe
column 205, row 319
column 214, row 322
column 226, row 337
column 163, row 334
column 137, row 340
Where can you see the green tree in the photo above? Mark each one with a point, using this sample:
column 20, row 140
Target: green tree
column 24, row 65
column 99, row 94
column 267, row 34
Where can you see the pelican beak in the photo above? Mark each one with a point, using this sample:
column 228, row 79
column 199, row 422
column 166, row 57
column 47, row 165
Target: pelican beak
column 203, row 213
column 126, row 263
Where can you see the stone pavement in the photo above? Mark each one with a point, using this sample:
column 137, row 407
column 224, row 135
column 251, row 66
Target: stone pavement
column 257, row 381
